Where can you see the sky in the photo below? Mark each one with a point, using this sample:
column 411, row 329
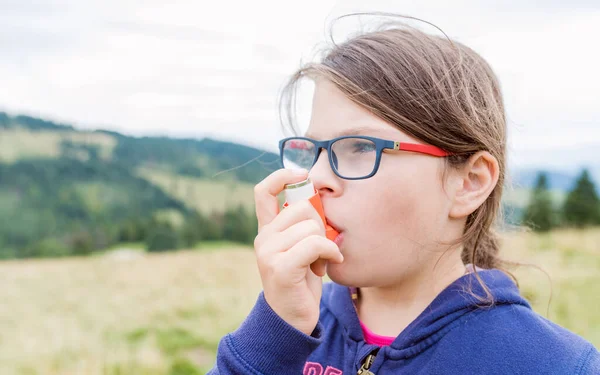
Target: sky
column 196, row 68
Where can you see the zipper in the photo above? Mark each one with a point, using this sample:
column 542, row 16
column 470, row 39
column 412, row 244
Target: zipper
column 364, row 369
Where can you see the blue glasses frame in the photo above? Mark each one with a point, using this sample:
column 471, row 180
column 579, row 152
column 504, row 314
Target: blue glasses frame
column 380, row 145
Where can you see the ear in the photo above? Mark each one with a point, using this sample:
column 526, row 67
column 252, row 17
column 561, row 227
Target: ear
column 474, row 183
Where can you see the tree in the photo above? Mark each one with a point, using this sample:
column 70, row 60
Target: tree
column 195, row 229
column 582, row 206
column 238, row 225
column 49, row 247
column 131, row 230
column 213, row 229
column 81, row 242
column 539, row 214
column 162, row 237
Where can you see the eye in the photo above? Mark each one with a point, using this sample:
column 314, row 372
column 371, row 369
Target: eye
column 363, row 147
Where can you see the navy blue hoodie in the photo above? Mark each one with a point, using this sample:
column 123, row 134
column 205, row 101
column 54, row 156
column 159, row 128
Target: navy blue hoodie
column 451, row 336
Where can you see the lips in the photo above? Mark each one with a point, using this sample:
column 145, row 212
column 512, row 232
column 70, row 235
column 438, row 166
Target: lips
column 332, row 232
column 337, row 229
column 338, row 240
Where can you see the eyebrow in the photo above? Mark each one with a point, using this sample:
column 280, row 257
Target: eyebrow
column 353, row 131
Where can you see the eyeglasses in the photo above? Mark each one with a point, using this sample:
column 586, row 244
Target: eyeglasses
column 350, row 157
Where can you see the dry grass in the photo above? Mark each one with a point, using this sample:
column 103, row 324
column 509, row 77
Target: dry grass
column 567, row 288
column 105, row 315
column 165, row 313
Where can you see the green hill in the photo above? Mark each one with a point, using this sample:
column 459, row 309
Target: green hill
column 64, row 190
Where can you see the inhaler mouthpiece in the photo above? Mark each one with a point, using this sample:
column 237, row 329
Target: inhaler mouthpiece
column 305, row 190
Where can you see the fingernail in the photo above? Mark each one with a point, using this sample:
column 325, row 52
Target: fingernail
column 300, row 171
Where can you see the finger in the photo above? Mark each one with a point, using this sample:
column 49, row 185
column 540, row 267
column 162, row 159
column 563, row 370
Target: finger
column 295, row 213
column 292, row 215
column 311, row 249
column 319, row 267
column 283, row 241
column 266, row 191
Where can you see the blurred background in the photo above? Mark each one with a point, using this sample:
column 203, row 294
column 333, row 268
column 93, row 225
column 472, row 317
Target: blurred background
column 132, row 134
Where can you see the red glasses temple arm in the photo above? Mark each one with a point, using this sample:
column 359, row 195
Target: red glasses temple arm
column 423, row 149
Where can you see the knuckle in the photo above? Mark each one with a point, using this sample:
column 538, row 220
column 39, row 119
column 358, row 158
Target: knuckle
column 258, row 188
column 260, row 237
column 314, row 240
column 315, row 226
column 265, row 262
column 262, row 251
column 257, row 242
column 271, row 247
column 263, row 229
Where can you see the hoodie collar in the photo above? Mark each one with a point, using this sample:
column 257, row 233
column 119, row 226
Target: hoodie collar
column 437, row 318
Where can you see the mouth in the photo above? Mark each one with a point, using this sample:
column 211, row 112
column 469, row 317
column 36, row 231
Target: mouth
column 334, row 233
column 334, row 226
column 339, row 239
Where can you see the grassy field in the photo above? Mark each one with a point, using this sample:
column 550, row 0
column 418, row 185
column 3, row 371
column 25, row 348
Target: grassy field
column 195, row 191
column 128, row 312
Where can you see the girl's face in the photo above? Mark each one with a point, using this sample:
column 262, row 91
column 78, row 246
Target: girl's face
column 392, row 223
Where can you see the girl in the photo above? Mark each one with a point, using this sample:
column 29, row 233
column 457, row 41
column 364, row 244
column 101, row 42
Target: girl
column 407, row 149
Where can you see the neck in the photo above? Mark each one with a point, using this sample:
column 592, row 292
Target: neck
column 387, row 310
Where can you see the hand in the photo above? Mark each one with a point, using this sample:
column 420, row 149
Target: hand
column 292, row 252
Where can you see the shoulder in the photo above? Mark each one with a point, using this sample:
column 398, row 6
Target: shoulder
column 518, row 337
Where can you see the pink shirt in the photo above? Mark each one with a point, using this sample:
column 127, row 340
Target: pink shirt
column 373, row 338
column 370, row 337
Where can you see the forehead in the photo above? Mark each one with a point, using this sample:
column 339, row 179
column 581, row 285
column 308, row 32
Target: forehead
column 334, row 115
column 357, row 130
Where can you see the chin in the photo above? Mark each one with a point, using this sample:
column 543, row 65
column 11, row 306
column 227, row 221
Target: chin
column 337, row 275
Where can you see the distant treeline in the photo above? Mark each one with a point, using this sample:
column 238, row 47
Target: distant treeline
column 580, row 209
column 64, row 206
column 236, row 224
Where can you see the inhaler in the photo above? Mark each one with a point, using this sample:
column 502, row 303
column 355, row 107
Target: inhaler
column 305, row 190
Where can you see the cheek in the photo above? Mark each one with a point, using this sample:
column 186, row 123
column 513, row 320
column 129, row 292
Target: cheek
column 408, row 211
column 404, row 212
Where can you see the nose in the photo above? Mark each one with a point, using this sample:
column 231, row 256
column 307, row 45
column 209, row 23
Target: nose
column 323, row 178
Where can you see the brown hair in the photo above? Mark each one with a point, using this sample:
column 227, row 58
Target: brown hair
column 434, row 89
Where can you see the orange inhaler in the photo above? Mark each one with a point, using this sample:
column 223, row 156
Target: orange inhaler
column 305, row 190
